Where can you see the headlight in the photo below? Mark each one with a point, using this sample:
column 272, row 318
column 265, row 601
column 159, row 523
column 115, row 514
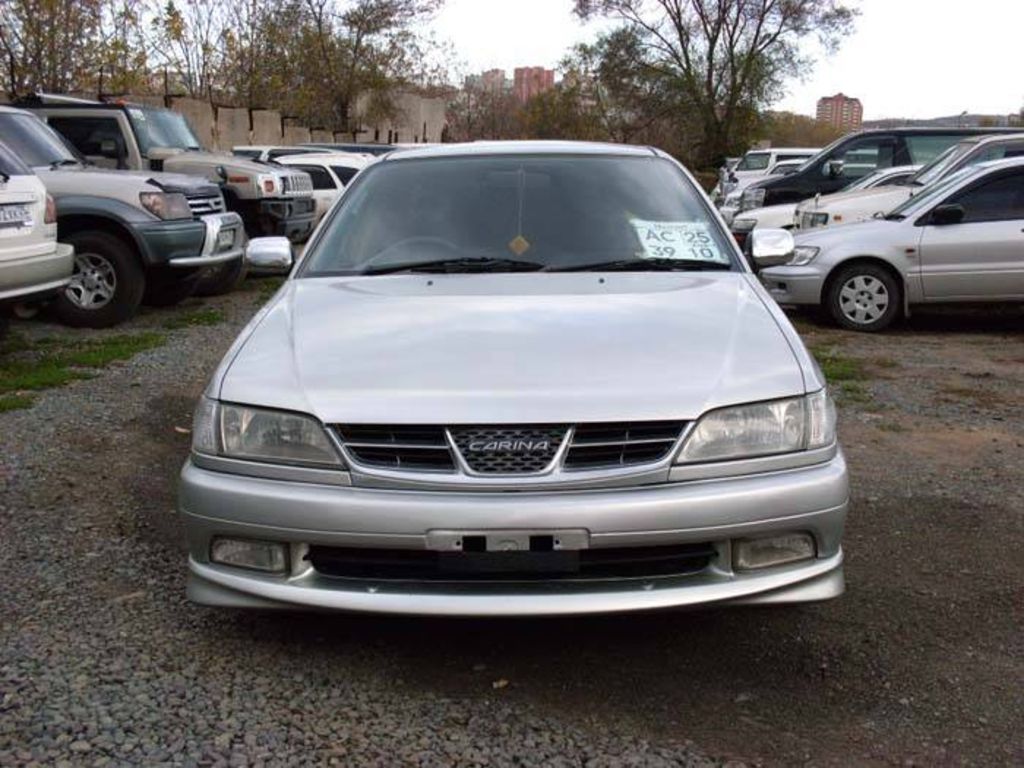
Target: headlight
column 166, row 205
column 268, row 184
column 259, row 434
column 803, row 254
column 762, row 429
column 752, row 198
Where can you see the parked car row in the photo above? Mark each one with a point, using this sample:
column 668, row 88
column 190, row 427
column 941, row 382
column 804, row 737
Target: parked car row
column 143, row 213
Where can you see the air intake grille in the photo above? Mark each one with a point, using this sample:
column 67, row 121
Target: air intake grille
column 607, row 446
column 508, row 450
column 412, row 448
column 297, row 184
column 201, row 206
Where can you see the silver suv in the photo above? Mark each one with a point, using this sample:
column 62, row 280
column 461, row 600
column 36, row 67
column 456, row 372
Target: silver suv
column 516, row 378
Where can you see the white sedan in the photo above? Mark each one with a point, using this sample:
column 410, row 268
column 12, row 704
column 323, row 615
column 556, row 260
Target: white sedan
column 330, row 171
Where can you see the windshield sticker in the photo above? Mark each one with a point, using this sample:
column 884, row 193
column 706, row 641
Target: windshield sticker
column 519, row 245
column 678, row 240
column 137, row 114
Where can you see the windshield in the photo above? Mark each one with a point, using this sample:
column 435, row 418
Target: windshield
column 520, row 211
column 934, row 170
column 930, row 195
column 36, row 143
column 754, row 161
column 161, row 128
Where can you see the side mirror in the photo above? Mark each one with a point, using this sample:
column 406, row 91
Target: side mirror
column 269, row 254
column 947, row 214
column 770, row 247
column 835, row 168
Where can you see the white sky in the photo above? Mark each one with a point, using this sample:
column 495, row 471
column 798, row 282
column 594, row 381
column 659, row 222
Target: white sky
column 907, row 58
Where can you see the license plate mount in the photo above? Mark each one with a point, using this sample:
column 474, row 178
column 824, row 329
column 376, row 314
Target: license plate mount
column 509, row 540
column 225, row 239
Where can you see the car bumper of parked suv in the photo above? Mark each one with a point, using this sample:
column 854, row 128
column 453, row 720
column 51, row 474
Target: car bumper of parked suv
column 658, row 546
column 293, row 218
column 37, row 275
column 794, row 285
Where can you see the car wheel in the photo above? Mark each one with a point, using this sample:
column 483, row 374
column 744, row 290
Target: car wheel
column 107, row 283
column 222, row 278
column 169, row 287
column 863, row 297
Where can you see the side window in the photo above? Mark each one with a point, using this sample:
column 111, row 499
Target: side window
column 860, row 157
column 344, row 174
column 999, row 199
column 321, row 178
column 94, row 137
column 924, row 149
column 997, row 152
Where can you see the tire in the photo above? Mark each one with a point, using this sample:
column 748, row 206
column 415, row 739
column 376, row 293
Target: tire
column 166, row 288
column 863, row 297
column 107, row 284
column 221, row 279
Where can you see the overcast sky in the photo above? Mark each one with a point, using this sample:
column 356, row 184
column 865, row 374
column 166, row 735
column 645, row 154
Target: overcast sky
column 907, row 58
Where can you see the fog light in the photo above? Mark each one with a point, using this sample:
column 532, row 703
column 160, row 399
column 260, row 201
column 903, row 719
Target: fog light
column 267, row 556
column 750, row 554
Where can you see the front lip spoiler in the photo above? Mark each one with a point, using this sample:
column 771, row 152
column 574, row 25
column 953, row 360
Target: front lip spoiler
column 820, row 580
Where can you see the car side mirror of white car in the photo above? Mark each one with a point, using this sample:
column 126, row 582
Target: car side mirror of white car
column 771, row 247
column 947, row 214
column 269, row 253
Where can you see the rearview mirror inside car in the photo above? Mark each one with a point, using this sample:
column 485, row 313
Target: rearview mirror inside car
column 947, row 214
column 771, row 247
column 270, row 254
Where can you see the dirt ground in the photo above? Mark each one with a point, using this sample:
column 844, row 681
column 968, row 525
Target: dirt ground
column 920, row 663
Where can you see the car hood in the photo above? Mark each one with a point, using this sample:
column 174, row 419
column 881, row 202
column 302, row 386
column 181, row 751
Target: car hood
column 773, row 216
column 196, row 161
column 465, row 349
column 92, row 180
column 869, row 200
column 854, row 235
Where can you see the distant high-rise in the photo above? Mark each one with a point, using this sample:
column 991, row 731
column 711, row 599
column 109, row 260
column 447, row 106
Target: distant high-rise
column 841, row 111
column 532, row 81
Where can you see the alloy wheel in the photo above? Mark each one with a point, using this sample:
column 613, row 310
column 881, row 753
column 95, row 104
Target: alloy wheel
column 93, row 282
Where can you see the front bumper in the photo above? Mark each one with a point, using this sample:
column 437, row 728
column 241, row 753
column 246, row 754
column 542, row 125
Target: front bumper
column 794, row 285
column 36, row 276
column 810, row 499
column 293, row 218
column 191, row 243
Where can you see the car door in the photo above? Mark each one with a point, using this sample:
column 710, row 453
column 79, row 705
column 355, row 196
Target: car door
column 981, row 257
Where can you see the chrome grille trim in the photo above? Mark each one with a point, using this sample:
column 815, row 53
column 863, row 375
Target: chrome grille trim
column 202, row 206
column 621, row 444
column 511, row 460
column 297, row 184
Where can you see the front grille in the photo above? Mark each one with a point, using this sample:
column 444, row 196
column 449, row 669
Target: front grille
column 413, row 448
column 201, row 206
column 297, row 184
column 508, row 450
column 625, row 444
column 559, row 565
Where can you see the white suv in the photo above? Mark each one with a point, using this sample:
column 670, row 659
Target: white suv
column 33, row 265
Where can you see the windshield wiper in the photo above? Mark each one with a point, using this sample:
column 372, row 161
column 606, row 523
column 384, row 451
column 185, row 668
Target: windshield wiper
column 461, row 264
column 894, row 217
column 644, row 265
column 61, row 163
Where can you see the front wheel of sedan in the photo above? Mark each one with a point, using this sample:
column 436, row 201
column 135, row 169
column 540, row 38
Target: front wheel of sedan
column 863, row 297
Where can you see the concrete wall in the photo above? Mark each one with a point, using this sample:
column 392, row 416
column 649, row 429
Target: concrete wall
column 295, row 133
column 202, row 117
column 232, row 127
column 266, row 127
column 419, row 120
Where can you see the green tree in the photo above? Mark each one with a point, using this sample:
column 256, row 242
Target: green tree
column 728, row 58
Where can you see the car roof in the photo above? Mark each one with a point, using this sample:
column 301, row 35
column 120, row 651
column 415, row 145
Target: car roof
column 482, row 148
column 327, row 158
column 990, row 139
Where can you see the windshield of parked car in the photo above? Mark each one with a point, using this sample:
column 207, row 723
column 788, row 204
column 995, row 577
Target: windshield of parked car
column 161, row 128
column 36, row 143
column 754, row 161
column 930, row 195
column 11, row 165
column 934, row 170
column 520, row 212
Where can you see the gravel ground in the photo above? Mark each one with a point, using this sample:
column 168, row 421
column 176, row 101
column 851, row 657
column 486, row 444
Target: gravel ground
column 103, row 662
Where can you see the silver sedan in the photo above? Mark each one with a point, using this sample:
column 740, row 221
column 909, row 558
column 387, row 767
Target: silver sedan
column 960, row 240
column 516, row 379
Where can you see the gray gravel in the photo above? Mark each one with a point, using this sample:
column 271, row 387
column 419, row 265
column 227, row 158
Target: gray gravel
column 103, row 662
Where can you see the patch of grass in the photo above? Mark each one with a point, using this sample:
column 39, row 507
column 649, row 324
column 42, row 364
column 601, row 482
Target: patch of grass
column 838, row 369
column 265, row 287
column 203, row 316
column 52, row 364
column 15, row 402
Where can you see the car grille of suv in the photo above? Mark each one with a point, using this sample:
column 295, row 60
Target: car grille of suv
column 561, row 565
column 509, row 449
column 201, row 206
column 297, row 184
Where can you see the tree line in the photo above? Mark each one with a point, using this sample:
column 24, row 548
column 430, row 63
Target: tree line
column 309, row 58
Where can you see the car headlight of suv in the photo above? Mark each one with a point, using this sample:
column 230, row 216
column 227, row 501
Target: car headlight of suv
column 269, row 185
column 752, row 198
column 762, row 429
column 803, row 254
column 261, row 434
column 166, row 205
